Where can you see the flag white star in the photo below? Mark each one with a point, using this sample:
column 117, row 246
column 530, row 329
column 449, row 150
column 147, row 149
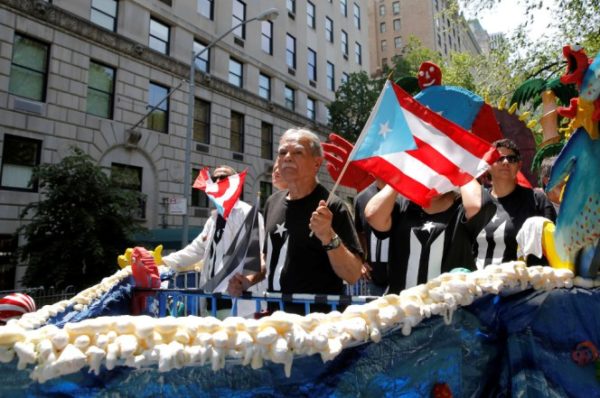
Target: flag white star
column 428, row 226
column 384, row 129
column 281, row 229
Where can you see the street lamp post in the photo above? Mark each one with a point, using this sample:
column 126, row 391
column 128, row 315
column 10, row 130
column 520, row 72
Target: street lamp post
column 269, row 14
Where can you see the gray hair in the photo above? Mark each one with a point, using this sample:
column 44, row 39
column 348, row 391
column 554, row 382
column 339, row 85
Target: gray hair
column 314, row 142
column 546, row 167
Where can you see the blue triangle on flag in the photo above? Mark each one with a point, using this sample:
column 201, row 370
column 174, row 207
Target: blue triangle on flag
column 388, row 131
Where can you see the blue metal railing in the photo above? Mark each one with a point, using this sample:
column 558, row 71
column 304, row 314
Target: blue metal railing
column 169, row 300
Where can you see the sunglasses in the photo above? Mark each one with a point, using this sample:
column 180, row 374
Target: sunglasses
column 219, row 178
column 508, row 158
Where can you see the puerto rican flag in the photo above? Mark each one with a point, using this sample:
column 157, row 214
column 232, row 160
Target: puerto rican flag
column 416, row 151
column 223, row 194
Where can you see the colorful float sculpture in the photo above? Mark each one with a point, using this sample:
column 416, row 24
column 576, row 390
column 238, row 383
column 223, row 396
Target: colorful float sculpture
column 505, row 330
column 577, row 233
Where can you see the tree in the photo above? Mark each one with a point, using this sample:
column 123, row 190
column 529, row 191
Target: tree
column 352, row 105
column 83, row 222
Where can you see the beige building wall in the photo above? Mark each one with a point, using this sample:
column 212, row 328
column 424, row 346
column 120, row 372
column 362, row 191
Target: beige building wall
column 394, row 21
column 61, row 121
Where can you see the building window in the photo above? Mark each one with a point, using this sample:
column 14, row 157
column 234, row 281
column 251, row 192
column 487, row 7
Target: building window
column 264, row 86
column 236, row 73
column 266, row 36
column 291, row 6
column 159, row 118
column 310, row 15
column 396, row 7
column 311, row 108
column 358, row 53
column 167, row 2
column 236, row 143
column 290, row 98
column 266, row 190
column 356, row 16
column 329, row 29
column 381, row 10
column 159, row 36
column 382, row 27
column 383, row 45
column 101, row 88
column 312, row 65
column 383, row 61
column 202, row 121
column 396, row 25
column 330, row 76
column 129, row 178
column 397, row 42
column 198, row 197
column 344, row 7
column 104, row 13
column 266, row 140
column 238, row 17
column 19, row 157
column 29, row 68
column 344, row 43
column 290, row 51
column 203, row 61
column 207, row 8
column 344, row 78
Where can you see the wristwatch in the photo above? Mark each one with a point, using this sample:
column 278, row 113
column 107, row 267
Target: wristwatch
column 334, row 244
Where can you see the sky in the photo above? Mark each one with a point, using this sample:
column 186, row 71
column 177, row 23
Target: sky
column 508, row 14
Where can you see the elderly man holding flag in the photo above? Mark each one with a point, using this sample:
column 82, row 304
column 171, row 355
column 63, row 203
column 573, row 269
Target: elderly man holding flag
column 311, row 246
column 424, row 158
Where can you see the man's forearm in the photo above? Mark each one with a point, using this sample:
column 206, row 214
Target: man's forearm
column 346, row 264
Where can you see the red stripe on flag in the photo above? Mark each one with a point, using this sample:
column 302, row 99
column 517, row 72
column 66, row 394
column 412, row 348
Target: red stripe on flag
column 469, row 142
column 408, row 186
column 438, row 162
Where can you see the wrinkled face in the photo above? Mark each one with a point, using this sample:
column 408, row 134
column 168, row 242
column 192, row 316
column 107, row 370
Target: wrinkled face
column 506, row 167
column 296, row 161
column 276, row 178
column 429, row 75
column 577, row 64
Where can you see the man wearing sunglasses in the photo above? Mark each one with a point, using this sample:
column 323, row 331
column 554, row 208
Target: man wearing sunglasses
column 497, row 243
column 214, row 241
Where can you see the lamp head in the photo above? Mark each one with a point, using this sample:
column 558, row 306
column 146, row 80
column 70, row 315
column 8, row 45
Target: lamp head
column 268, row 15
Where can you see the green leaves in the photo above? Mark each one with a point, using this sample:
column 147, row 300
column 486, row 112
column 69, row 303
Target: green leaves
column 79, row 227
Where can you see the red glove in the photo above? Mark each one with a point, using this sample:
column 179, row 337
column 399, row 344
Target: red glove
column 336, row 153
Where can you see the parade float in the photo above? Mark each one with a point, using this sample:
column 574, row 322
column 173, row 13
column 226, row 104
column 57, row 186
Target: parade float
column 504, row 330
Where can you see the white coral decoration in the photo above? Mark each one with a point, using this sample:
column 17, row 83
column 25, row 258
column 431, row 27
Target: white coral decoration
column 171, row 343
column 34, row 320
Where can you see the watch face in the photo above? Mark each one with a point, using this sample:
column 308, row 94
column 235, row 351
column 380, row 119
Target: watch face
column 335, row 243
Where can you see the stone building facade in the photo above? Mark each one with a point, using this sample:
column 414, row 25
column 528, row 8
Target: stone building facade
column 84, row 72
column 394, row 21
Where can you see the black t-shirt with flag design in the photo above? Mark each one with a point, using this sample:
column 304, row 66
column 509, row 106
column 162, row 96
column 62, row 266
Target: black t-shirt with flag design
column 296, row 261
column 377, row 249
column 425, row 245
column 497, row 242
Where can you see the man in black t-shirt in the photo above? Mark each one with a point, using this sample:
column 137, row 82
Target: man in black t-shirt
column 311, row 246
column 426, row 242
column 497, row 242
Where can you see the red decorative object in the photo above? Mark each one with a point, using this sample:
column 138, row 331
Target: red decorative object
column 441, row 390
column 585, row 353
column 336, row 153
column 429, row 75
column 14, row 305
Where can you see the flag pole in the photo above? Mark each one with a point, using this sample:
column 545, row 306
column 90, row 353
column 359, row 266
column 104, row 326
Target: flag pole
column 359, row 141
